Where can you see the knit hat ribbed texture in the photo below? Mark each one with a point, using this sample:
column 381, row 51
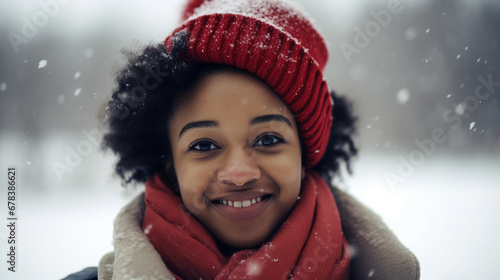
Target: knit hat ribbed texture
column 274, row 41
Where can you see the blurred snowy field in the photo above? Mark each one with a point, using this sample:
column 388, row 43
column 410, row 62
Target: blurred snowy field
column 446, row 212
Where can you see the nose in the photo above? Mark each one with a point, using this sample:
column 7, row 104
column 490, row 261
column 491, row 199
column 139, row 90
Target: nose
column 239, row 169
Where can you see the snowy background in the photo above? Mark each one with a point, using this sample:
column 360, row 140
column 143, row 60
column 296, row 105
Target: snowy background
column 416, row 73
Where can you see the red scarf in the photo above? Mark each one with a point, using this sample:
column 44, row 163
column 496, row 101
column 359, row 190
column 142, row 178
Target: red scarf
column 308, row 245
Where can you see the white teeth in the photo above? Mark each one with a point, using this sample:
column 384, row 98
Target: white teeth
column 241, row 204
column 237, row 204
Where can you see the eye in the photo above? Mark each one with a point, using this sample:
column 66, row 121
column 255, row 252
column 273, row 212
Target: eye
column 203, row 146
column 269, row 140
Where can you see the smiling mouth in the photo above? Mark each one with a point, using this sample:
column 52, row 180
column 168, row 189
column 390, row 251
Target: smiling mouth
column 242, row 204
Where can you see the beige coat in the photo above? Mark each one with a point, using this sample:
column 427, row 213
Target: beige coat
column 377, row 253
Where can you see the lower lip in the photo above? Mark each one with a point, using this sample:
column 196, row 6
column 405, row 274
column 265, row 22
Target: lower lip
column 242, row 213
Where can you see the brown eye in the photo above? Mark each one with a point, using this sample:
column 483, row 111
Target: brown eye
column 269, row 140
column 203, row 146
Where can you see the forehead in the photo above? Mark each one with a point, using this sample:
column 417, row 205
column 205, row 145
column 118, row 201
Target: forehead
column 229, row 94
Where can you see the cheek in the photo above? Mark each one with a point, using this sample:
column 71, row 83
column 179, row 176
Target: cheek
column 192, row 198
column 286, row 171
column 195, row 184
column 191, row 185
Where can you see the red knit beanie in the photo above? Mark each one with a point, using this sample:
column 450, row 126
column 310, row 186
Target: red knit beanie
column 277, row 43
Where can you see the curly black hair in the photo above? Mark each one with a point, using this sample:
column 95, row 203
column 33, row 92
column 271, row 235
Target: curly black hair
column 148, row 89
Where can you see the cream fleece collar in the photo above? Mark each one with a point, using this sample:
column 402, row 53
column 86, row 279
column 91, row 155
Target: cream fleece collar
column 134, row 256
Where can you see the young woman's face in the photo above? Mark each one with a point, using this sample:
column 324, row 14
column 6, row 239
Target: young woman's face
column 237, row 157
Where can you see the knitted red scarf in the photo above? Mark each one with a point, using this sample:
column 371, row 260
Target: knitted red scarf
column 308, row 245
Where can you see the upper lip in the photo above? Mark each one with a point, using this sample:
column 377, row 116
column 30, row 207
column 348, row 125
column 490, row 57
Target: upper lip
column 242, row 195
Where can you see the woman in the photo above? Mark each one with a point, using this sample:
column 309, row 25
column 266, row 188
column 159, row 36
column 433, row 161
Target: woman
column 231, row 125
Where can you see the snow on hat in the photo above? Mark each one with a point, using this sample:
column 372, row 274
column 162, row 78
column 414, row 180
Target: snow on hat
column 277, row 43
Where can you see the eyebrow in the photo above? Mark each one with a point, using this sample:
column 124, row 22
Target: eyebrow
column 255, row 121
column 197, row 124
column 271, row 118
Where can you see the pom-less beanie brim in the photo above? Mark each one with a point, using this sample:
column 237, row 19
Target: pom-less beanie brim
column 276, row 43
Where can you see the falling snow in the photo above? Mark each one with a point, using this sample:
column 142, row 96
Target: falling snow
column 471, row 126
column 148, row 229
column 77, row 91
column 460, row 109
column 77, row 75
column 403, row 95
column 254, row 269
column 3, row 86
column 42, row 64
